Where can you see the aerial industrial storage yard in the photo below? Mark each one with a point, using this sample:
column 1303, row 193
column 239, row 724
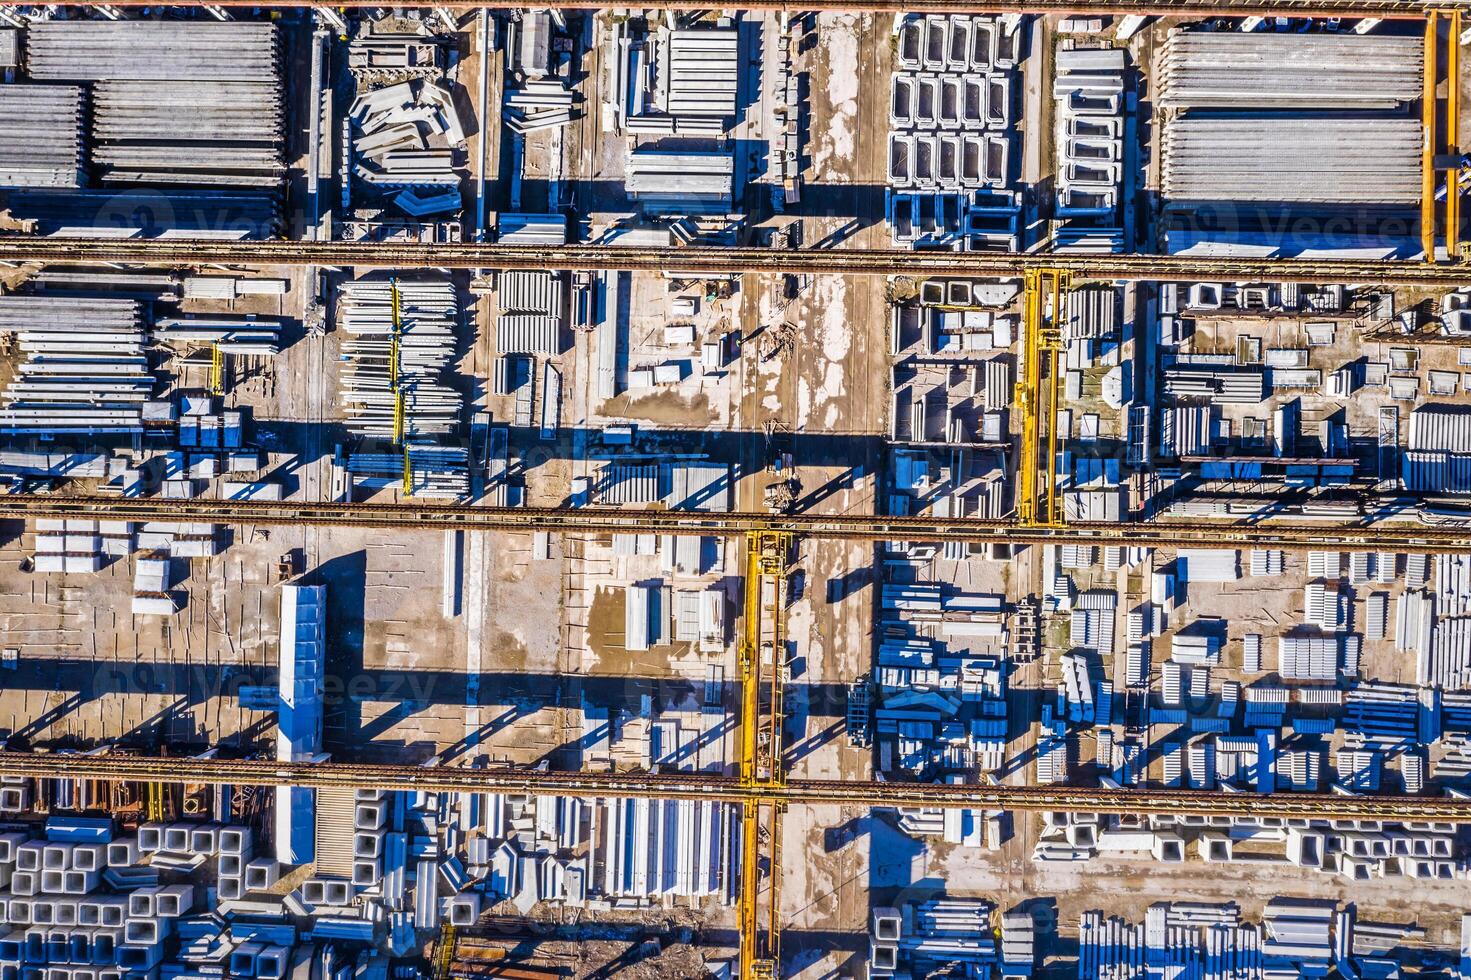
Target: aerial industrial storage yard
column 971, row 491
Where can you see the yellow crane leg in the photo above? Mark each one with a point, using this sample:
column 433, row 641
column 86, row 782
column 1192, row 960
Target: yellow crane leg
column 750, row 884
column 1453, row 138
column 1026, row 401
column 1427, row 153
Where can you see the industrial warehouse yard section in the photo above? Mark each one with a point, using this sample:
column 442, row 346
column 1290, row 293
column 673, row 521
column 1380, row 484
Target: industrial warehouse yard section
column 870, row 491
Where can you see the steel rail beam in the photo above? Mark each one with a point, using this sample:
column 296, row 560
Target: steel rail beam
column 1402, row 536
column 172, row 253
column 680, row 786
column 1177, row 8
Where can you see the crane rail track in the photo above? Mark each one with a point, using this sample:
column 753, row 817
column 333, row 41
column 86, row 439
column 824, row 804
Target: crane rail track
column 701, row 786
column 1179, row 8
column 718, row 261
column 852, row 527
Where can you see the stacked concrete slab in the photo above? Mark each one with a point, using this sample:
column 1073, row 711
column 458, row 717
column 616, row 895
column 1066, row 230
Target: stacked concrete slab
column 675, row 81
column 405, row 138
column 234, row 137
column 1261, row 126
column 947, row 933
column 666, row 181
column 163, row 50
column 223, row 77
column 1090, row 91
column 532, row 310
column 1229, row 70
column 951, row 143
column 427, row 313
column 1264, row 157
column 86, row 368
column 146, row 76
column 41, row 135
column 698, row 72
column 207, row 213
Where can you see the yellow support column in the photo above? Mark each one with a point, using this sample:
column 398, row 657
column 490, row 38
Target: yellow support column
column 760, row 764
column 216, row 370
column 1427, row 152
column 1026, row 399
column 1453, row 138
column 1037, row 396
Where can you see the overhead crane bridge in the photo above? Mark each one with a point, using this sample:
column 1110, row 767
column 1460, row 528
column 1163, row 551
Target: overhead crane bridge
column 1400, row 535
column 1177, row 8
column 120, row 767
column 693, row 260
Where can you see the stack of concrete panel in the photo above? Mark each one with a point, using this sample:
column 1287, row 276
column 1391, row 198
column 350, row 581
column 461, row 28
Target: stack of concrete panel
column 1438, row 459
column 389, row 55
column 698, row 71
column 235, row 136
column 531, row 229
column 950, row 131
column 651, row 849
column 233, row 335
column 68, row 546
column 151, row 588
column 1261, row 126
column 1228, row 70
column 404, row 138
column 671, row 182
column 223, row 77
column 1090, row 91
column 427, row 313
column 150, row 50
column 538, row 104
column 41, row 136
column 531, row 318
column 86, row 368
column 1264, row 157
column 682, row 81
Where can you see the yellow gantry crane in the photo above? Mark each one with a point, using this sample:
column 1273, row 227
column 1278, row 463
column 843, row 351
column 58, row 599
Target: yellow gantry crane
column 763, row 679
column 1038, row 501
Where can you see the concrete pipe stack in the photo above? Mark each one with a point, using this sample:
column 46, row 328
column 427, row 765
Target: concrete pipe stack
column 85, row 370
column 1091, row 92
column 427, row 315
column 41, row 136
